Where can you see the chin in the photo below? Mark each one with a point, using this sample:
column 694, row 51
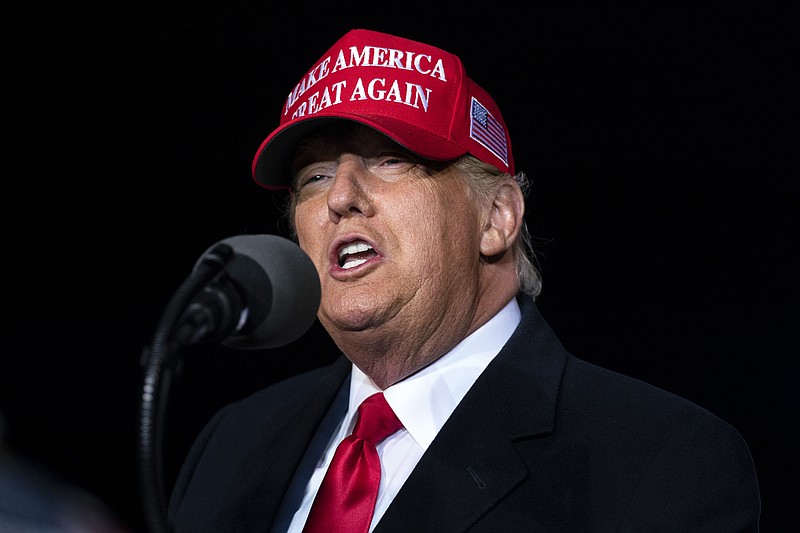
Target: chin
column 349, row 315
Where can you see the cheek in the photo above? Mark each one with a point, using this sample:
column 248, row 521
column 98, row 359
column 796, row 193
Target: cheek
column 440, row 235
column 306, row 214
column 308, row 228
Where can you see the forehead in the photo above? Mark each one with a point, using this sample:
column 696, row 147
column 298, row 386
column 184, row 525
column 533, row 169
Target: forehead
column 332, row 139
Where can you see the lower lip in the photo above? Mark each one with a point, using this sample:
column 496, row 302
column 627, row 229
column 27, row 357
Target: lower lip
column 343, row 273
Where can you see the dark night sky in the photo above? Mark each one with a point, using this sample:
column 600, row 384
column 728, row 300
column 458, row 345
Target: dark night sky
column 661, row 142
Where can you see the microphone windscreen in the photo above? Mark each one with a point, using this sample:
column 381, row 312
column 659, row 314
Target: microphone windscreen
column 280, row 286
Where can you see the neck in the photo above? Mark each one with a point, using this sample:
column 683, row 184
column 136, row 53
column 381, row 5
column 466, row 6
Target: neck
column 393, row 351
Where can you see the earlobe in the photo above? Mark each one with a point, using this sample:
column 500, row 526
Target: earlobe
column 504, row 221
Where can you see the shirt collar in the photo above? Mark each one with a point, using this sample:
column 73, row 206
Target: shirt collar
column 424, row 401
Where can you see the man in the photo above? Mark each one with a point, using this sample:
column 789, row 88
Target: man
column 404, row 194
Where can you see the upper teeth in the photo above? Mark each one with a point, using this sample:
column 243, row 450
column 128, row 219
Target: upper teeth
column 354, row 248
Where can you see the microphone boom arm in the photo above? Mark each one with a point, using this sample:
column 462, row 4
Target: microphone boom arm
column 161, row 358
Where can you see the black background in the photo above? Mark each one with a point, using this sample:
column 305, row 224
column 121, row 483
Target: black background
column 661, row 141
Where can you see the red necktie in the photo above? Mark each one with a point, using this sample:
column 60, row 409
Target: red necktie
column 346, row 498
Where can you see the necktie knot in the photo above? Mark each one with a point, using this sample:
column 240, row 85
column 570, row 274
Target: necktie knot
column 376, row 420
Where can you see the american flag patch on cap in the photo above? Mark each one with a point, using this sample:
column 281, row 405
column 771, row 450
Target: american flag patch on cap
column 485, row 129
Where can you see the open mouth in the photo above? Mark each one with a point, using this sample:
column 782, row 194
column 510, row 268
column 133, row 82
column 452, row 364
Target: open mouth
column 354, row 254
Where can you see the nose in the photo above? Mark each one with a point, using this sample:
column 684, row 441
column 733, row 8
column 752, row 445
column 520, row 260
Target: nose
column 348, row 195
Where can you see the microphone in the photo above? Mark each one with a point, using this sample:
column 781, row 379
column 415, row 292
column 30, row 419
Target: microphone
column 246, row 291
column 265, row 295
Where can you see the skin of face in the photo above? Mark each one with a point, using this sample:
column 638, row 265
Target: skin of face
column 423, row 283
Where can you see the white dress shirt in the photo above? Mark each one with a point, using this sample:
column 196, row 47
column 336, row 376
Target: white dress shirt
column 423, row 402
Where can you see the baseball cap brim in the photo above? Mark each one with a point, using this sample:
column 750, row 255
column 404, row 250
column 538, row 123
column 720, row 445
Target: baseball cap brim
column 271, row 166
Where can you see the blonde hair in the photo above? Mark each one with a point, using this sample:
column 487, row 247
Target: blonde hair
column 483, row 179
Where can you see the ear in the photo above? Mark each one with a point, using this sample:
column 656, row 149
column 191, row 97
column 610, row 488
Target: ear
column 505, row 219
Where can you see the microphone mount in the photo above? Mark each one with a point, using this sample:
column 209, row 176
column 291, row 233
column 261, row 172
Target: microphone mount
column 218, row 310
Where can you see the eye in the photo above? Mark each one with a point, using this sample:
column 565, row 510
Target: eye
column 392, row 161
column 312, row 179
column 391, row 164
column 312, row 175
column 306, row 185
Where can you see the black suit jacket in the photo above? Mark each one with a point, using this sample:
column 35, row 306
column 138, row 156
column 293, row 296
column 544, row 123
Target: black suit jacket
column 543, row 441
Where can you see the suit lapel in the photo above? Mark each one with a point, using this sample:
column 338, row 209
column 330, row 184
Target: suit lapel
column 473, row 462
column 296, row 430
column 316, row 447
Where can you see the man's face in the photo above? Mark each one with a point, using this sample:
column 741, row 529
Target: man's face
column 396, row 245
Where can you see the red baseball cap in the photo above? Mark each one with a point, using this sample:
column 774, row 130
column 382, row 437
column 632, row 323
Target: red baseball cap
column 416, row 94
